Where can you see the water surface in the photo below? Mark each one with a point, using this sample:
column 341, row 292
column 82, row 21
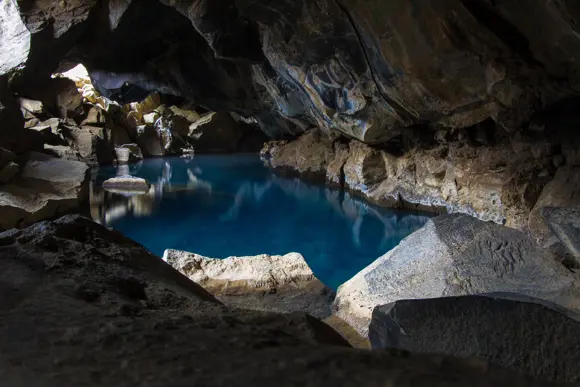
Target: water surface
column 220, row 206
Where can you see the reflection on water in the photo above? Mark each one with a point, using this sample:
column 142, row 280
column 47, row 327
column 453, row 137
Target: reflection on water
column 219, row 206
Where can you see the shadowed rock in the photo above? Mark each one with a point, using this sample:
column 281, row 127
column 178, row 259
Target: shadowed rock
column 510, row 330
column 78, row 297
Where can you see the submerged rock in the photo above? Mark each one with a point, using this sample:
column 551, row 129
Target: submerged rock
column 127, row 184
column 455, row 255
column 278, row 283
column 512, row 331
column 46, row 187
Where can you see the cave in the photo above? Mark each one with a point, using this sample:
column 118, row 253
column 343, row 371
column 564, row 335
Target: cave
column 330, row 192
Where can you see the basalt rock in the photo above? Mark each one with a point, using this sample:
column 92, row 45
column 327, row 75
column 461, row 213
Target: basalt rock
column 510, row 330
column 367, row 69
column 454, row 255
column 281, row 284
column 77, row 296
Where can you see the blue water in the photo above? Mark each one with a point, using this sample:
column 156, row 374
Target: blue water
column 221, row 206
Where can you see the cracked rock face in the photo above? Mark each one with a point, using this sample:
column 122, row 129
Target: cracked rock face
column 456, row 255
column 368, row 69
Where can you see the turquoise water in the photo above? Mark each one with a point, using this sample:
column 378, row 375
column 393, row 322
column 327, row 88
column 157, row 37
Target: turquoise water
column 221, row 206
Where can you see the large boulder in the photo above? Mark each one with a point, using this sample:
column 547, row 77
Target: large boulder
column 512, row 331
column 78, row 297
column 46, row 187
column 454, row 255
column 263, row 282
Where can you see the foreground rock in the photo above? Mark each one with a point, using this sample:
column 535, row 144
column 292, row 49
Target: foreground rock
column 535, row 337
column 127, row 184
column 264, row 282
column 77, row 296
column 46, row 187
column 455, row 255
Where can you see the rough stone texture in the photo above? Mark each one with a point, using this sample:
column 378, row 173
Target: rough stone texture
column 565, row 224
column 512, row 331
column 128, row 153
column 455, row 255
column 46, row 188
column 8, row 172
column 264, row 282
column 309, row 155
column 220, row 133
column 563, row 191
column 150, row 141
column 93, row 144
column 127, row 184
column 62, row 152
column 500, row 182
column 86, row 306
column 365, row 68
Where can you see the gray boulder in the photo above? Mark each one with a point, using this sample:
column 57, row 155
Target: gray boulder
column 454, row 255
column 532, row 336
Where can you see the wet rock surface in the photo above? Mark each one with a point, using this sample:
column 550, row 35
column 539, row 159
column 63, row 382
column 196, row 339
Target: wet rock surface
column 280, row 284
column 71, row 285
column 509, row 330
column 455, row 255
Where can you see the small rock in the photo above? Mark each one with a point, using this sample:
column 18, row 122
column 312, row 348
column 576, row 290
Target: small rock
column 128, row 153
column 127, row 184
column 150, row 118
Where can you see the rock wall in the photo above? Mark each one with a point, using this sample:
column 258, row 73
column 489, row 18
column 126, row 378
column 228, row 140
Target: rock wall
column 482, row 171
column 368, row 69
